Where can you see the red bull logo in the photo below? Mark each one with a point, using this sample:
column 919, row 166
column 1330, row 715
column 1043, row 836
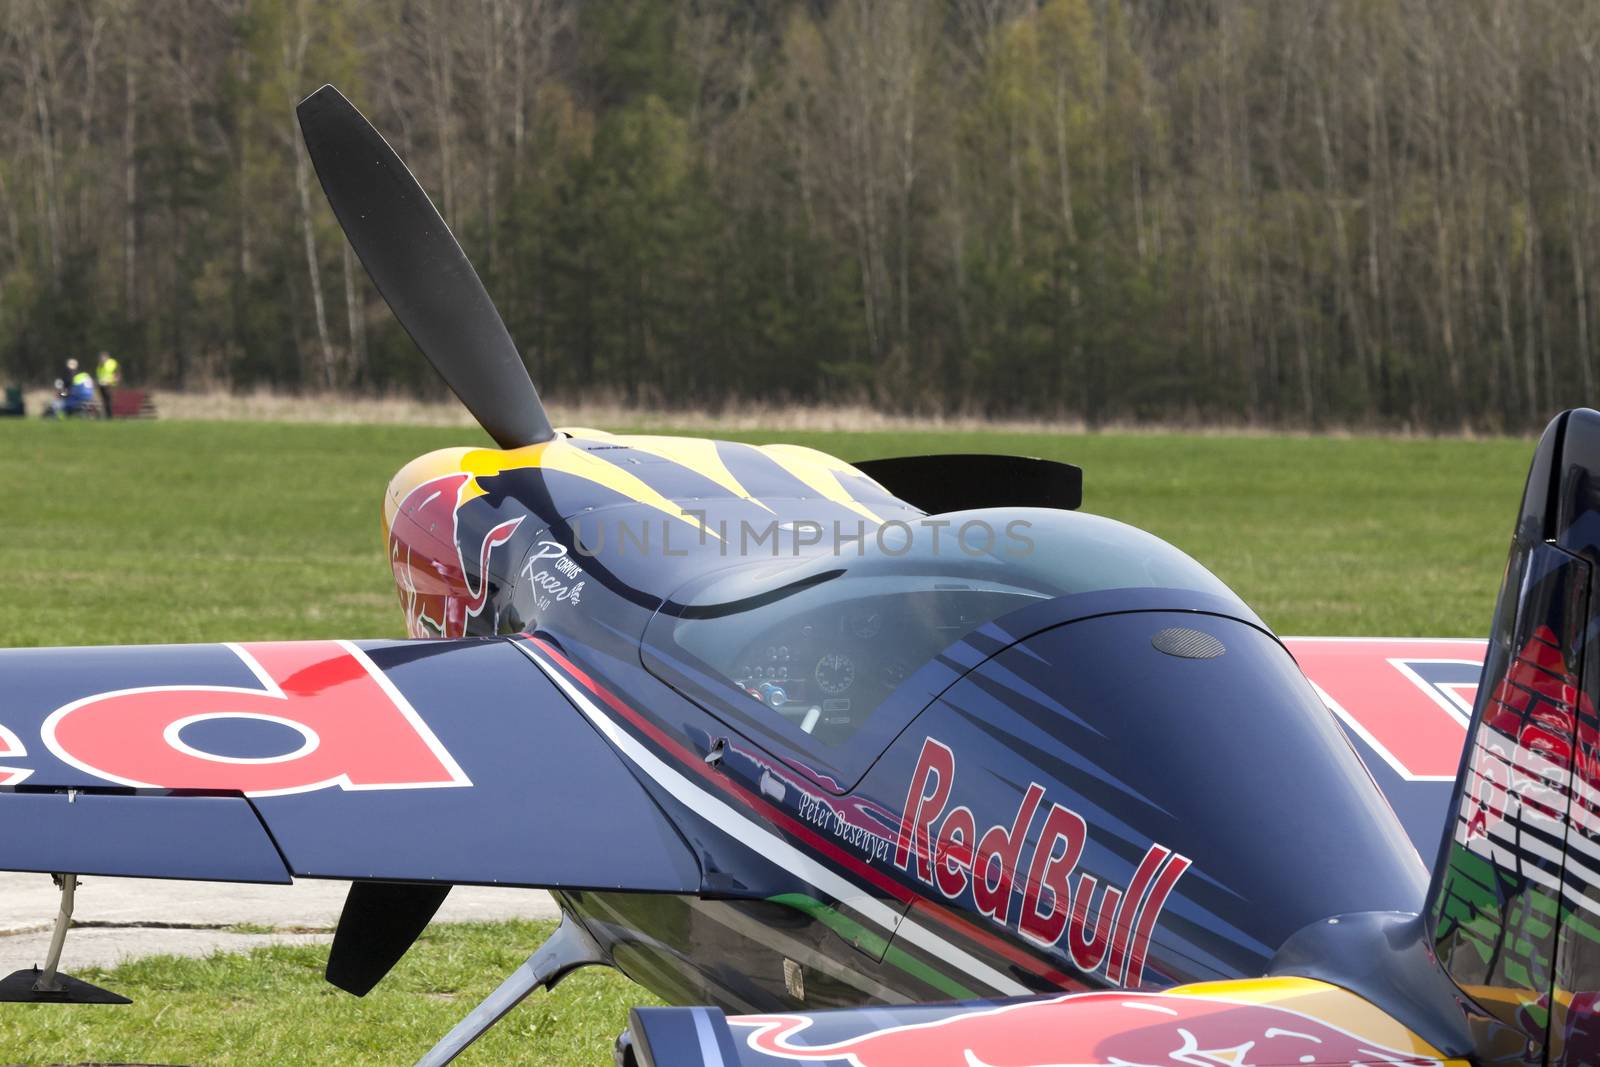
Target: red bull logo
column 351, row 728
column 1114, row 1028
column 945, row 850
column 437, row 591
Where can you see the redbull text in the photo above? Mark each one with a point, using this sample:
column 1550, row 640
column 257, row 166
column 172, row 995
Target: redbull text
column 943, row 849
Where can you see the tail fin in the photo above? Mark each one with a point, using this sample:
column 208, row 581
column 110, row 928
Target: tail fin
column 1515, row 900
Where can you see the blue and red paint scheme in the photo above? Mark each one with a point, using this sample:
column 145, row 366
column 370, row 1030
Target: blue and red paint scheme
column 1051, row 802
column 1075, row 804
column 1501, row 965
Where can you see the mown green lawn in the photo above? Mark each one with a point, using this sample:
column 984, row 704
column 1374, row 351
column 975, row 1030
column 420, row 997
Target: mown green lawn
column 273, row 1007
column 128, row 532
column 156, row 532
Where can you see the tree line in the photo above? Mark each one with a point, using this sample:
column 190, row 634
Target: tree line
column 1293, row 213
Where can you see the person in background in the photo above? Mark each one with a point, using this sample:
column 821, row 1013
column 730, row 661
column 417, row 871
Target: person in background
column 77, row 395
column 107, row 376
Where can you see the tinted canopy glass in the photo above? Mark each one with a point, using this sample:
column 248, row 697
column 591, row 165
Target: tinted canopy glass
column 813, row 647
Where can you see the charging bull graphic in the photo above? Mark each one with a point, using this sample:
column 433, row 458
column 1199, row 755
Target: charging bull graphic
column 1111, row 1028
column 437, row 589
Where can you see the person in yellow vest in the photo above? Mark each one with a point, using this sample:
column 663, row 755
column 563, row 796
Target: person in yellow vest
column 107, row 376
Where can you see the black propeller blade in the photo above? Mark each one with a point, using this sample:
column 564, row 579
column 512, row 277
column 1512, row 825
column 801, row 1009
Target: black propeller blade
column 379, row 923
column 419, row 268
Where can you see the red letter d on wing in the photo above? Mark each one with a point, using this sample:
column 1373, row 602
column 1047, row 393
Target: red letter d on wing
column 357, row 730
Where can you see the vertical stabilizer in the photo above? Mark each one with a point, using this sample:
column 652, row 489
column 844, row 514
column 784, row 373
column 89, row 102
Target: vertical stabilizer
column 1515, row 902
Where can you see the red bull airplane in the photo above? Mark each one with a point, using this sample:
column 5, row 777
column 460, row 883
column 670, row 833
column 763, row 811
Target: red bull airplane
column 889, row 764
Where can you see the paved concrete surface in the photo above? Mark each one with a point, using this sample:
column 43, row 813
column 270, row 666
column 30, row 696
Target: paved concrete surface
column 131, row 917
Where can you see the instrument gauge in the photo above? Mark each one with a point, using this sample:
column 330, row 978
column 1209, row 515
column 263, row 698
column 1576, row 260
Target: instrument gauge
column 835, row 673
column 866, row 624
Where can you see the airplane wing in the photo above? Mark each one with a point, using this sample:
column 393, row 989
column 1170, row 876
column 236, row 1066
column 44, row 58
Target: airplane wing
column 1405, row 704
column 461, row 762
column 1269, row 1022
column 417, row 761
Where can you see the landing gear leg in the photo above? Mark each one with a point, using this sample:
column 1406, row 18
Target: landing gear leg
column 569, row 948
column 35, row 986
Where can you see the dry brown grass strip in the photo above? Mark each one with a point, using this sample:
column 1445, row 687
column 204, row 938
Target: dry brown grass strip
column 269, row 405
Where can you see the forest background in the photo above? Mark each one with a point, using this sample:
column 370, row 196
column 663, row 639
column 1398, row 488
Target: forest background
column 1284, row 213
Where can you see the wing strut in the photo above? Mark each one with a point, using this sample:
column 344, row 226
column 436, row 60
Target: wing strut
column 569, row 948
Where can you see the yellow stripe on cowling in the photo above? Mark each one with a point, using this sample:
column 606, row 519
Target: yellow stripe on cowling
column 1326, row 1003
column 820, row 473
column 698, row 454
column 488, row 462
column 559, row 455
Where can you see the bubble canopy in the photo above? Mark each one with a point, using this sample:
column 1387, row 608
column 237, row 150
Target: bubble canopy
column 812, row 648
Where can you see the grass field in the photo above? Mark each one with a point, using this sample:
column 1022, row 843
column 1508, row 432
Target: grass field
column 127, row 532
column 273, row 1007
column 159, row 532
